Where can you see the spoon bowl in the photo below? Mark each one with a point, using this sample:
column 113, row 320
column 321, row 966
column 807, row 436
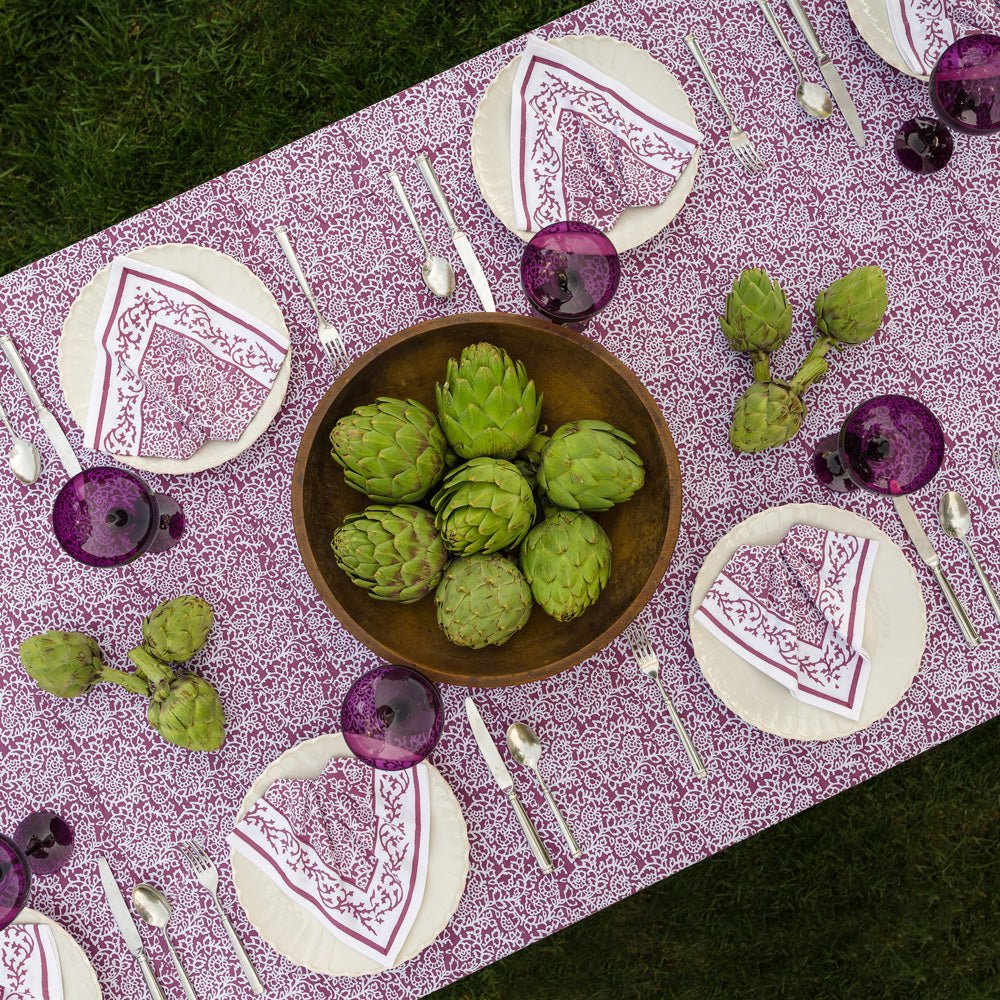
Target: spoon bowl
column 152, row 905
column 813, row 99
column 439, row 276
column 953, row 512
column 524, row 745
column 24, row 460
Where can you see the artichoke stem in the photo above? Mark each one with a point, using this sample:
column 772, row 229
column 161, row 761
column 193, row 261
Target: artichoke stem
column 149, row 668
column 131, row 682
column 761, row 366
column 814, row 367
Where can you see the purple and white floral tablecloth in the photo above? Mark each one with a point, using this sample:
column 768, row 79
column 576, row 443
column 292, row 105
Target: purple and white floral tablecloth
column 280, row 660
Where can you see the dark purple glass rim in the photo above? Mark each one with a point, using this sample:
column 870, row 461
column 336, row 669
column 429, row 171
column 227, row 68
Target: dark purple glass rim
column 11, row 853
column 842, row 443
column 950, row 120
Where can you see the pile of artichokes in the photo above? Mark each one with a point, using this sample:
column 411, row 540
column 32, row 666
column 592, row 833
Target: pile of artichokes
column 758, row 320
column 503, row 530
column 183, row 708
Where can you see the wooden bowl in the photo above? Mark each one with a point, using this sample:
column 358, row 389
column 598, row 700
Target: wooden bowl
column 580, row 380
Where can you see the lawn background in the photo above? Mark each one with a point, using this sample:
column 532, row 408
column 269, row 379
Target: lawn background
column 889, row 890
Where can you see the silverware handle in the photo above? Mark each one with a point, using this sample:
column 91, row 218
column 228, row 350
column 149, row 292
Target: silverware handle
column 692, row 751
column 530, row 833
column 802, row 19
column 17, row 365
column 574, row 847
column 181, row 971
column 241, row 953
column 155, row 990
column 991, row 594
column 281, row 234
column 5, row 420
column 397, row 186
column 437, row 192
column 699, row 58
column 964, row 622
column 779, row 32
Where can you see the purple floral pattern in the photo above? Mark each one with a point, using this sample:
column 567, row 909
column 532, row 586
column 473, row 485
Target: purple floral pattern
column 796, row 612
column 29, row 963
column 350, row 847
column 283, row 664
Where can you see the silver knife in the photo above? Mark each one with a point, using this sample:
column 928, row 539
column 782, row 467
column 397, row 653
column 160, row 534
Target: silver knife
column 461, row 241
column 502, row 777
column 926, row 552
column 127, row 927
column 55, row 434
column 829, row 71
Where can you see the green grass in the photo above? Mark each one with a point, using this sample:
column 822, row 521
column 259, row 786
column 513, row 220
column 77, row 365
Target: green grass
column 889, row 890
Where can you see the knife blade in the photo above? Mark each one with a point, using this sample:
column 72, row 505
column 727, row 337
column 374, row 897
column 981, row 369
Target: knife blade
column 461, row 241
column 502, row 777
column 126, row 925
column 55, row 433
column 928, row 554
column 829, row 71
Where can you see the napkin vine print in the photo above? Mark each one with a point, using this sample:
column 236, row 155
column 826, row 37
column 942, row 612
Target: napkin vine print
column 922, row 30
column 584, row 146
column 350, row 847
column 29, row 963
column 176, row 365
column 796, row 612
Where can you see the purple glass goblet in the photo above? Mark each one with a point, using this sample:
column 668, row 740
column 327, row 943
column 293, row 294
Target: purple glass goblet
column 15, row 881
column 392, row 717
column 965, row 84
column 107, row 517
column 889, row 444
column 46, row 840
column 569, row 271
column 923, row 145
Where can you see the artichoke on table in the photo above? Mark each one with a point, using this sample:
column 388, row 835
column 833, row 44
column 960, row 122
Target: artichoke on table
column 68, row 664
column 176, row 629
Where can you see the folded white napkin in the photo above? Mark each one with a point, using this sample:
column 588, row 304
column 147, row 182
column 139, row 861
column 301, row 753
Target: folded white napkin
column 29, row 963
column 796, row 612
column 922, row 30
column 176, row 365
column 350, row 847
column 584, row 147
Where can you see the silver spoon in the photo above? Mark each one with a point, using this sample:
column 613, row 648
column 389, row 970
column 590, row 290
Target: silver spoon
column 956, row 520
column 812, row 98
column 526, row 748
column 25, row 462
column 151, row 904
column 438, row 274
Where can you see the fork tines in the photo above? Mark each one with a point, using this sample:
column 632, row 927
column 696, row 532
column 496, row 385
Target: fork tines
column 195, row 855
column 638, row 639
column 745, row 153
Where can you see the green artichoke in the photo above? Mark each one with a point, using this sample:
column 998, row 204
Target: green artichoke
column 392, row 450
column 852, row 308
column 184, row 709
column 175, row 630
column 758, row 316
column 528, row 459
column 395, row 553
column 589, row 465
column 487, row 404
column 567, row 561
column 68, row 664
column 483, row 506
column 767, row 414
column 482, row 600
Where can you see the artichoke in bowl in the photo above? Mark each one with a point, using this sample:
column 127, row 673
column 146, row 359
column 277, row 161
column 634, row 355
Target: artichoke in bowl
column 589, row 465
column 566, row 560
column 392, row 450
column 487, row 404
column 485, row 506
column 482, row 600
column 395, row 553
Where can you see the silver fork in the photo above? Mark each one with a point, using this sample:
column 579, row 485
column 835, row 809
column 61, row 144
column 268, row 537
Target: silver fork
column 743, row 148
column 208, row 875
column 645, row 657
column 329, row 336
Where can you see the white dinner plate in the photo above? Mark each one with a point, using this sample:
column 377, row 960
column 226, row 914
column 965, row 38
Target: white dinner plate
column 895, row 630
column 299, row 936
column 78, row 976
column 871, row 18
column 220, row 274
column 632, row 67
